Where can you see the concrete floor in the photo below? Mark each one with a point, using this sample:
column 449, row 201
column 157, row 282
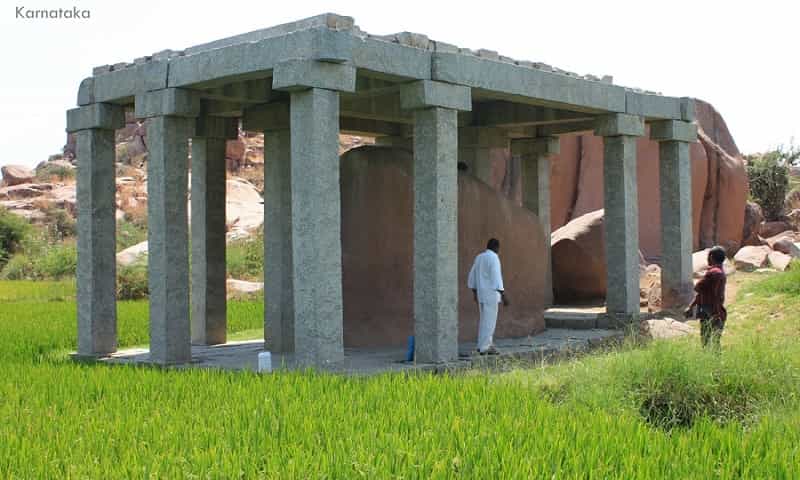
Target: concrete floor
column 554, row 342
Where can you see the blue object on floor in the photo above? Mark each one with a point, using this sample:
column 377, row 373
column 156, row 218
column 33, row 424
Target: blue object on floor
column 410, row 353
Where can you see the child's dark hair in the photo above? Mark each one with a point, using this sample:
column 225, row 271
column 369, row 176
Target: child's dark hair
column 717, row 255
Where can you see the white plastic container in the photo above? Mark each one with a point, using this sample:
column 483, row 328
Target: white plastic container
column 264, row 362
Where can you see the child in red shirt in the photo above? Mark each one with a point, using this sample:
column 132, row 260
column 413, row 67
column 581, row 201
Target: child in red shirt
column 710, row 298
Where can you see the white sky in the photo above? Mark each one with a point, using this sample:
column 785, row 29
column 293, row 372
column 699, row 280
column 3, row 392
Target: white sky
column 741, row 56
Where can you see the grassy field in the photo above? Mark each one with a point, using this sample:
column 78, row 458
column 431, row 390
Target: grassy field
column 665, row 410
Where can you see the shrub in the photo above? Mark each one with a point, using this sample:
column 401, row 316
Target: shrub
column 54, row 172
column 129, row 234
column 769, row 178
column 13, row 231
column 132, row 282
column 55, row 262
column 245, row 258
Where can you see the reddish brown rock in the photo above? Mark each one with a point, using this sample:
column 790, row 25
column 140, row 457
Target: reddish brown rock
column 377, row 251
column 578, row 258
column 753, row 217
column 16, row 174
column 786, row 246
column 772, row 229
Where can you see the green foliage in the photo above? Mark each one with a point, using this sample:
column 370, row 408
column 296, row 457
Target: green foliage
column 768, row 175
column 132, row 282
column 245, row 258
column 13, row 231
column 129, row 234
column 47, row 261
column 59, row 223
column 50, row 171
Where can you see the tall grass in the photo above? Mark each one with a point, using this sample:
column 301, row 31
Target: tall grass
column 581, row 419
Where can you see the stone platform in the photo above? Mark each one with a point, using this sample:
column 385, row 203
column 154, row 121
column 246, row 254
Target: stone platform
column 551, row 344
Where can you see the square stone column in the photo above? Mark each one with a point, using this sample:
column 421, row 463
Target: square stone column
column 436, row 282
column 620, row 132
column 94, row 127
column 675, row 176
column 535, row 156
column 170, row 123
column 208, row 296
column 315, row 206
column 273, row 120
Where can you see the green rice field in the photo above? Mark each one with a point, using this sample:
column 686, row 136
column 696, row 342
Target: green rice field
column 661, row 410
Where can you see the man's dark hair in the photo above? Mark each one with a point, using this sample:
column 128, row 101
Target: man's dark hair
column 493, row 244
column 717, row 255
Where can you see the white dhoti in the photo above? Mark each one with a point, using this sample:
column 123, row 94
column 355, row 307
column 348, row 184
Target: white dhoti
column 486, row 325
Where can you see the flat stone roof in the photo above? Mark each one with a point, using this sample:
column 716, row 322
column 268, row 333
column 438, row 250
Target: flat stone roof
column 400, row 57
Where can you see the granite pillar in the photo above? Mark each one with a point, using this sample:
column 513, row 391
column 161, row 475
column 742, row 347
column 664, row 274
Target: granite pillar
column 620, row 133
column 675, row 171
column 94, row 126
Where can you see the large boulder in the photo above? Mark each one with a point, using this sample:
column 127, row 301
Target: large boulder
column 786, row 245
column 244, row 208
column 578, row 259
column 771, row 229
column 753, row 217
column 751, row 258
column 664, row 328
column 779, row 261
column 132, row 254
column 700, row 264
column 16, row 174
column 378, row 251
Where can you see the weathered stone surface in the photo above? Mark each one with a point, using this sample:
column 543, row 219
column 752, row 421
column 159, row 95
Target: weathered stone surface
column 242, row 287
column 24, row 190
column 753, row 217
column 435, row 234
column 664, row 329
column 133, row 254
column 750, row 258
column 578, row 256
column 771, row 229
column 786, row 245
column 779, row 261
column 377, row 251
column 244, row 211
column 16, row 174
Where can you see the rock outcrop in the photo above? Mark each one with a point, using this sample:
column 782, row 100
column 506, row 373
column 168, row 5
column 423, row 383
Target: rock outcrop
column 377, row 250
column 16, row 175
column 578, row 259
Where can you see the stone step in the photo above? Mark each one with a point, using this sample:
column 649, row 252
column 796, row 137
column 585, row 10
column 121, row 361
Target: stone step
column 574, row 318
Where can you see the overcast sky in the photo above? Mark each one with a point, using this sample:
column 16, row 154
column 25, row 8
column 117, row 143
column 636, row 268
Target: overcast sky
column 740, row 56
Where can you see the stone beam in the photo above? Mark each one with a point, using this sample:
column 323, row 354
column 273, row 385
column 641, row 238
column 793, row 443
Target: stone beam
column 427, row 94
column 384, row 107
column 507, row 114
column 527, row 85
column 177, row 102
column 374, row 128
column 246, row 92
column 294, row 75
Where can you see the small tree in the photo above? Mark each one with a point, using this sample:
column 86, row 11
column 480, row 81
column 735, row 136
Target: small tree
column 769, row 178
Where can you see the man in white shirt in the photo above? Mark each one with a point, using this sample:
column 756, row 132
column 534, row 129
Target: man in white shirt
column 486, row 282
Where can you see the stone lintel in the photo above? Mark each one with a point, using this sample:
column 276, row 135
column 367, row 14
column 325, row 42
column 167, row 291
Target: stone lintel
column 86, row 92
column 427, row 94
column 673, row 130
column 216, row 127
column 177, row 102
column 482, row 137
column 687, row 109
column 301, row 74
column 103, row 116
column 618, row 124
column 542, row 146
column 266, row 117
